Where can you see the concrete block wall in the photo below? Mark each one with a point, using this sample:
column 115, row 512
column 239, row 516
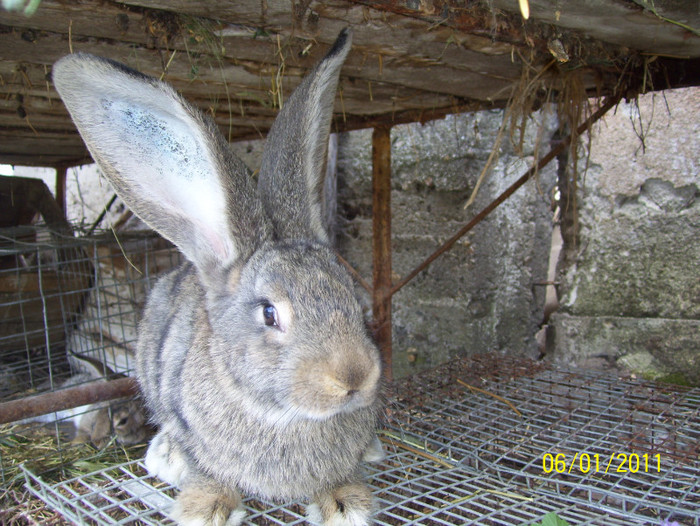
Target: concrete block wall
column 631, row 294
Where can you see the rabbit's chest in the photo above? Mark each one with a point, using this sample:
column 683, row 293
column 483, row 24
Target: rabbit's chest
column 287, row 462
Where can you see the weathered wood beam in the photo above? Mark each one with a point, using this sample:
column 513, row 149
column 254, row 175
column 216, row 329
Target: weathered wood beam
column 46, row 149
column 381, row 243
column 244, row 68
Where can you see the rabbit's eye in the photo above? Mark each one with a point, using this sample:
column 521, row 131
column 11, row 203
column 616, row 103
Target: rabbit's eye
column 270, row 315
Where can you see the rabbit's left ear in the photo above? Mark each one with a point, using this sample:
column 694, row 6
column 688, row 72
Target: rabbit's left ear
column 291, row 174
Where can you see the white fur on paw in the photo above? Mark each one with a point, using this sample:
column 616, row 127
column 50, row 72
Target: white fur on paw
column 374, row 452
column 165, row 461
column 314, row 516
column 205, row 506
column 235, row 519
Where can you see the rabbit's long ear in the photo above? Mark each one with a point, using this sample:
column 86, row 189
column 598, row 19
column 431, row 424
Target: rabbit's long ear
column 166, row 160
column 291, row 174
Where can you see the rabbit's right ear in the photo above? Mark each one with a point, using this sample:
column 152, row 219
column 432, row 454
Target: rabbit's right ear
column 291, row 173
column 166, row 160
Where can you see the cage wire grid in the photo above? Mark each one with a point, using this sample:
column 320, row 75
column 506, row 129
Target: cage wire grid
column 476, row 457
column 61, row 295
column 64, row 299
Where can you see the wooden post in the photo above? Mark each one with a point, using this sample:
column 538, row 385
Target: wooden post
column 381, row 242
column 61, row 174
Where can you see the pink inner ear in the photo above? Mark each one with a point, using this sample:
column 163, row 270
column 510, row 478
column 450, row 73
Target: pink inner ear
column 160, row 157
column 219, row 245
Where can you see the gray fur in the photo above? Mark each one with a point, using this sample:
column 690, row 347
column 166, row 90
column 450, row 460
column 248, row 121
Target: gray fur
column 283, row 411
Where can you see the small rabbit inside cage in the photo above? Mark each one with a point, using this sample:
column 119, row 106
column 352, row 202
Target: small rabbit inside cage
column 124, row 420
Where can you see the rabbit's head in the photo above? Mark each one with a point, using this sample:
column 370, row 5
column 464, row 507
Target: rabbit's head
column 284, row 319
column 301, row 341
column 130, row 422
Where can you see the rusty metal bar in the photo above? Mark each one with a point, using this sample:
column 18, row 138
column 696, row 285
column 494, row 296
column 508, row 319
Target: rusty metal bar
column 381, row 242
column 61, row 175
column 355, row 274
column 68, row 398
column 102, row 215
column 608, row 104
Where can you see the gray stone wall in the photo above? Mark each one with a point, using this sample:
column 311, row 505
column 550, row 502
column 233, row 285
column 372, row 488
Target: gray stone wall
column 481, row 296
column 631, row 293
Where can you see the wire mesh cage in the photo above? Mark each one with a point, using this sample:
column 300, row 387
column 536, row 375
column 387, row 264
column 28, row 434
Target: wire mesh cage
column 69, row 308
column 593, row 448
column 505, row 452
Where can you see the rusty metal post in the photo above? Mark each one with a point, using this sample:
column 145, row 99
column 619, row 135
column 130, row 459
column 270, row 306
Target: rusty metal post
column 61, row 176
column 90, row 393
column 381, row 242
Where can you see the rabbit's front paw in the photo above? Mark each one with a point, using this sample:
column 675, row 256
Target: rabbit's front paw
column 165, row 461
column 374, row 452
column 208, row 505
column 349, row 505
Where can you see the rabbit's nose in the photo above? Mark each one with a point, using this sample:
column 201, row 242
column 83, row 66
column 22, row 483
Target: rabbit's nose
column 353, row 379
column 345, row 382
column 359, row 375
column 343, row 389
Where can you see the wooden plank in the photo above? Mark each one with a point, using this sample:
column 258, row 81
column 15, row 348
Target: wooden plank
column 85, row 18
column 23, row 146
column 357, row 96
column 388, row 46
column 400, row 68
column 321, row 21
column 42, row 125
column 228, row 66
column 212, row 80
column 207, row 73
column 622, row 24
column 43, row 150
column 270, row 14
column 49, row 47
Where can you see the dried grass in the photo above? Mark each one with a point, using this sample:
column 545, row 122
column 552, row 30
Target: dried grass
column 47, row 452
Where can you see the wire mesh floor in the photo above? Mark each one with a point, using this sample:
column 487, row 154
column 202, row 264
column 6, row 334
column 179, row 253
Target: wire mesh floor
column 591, row 447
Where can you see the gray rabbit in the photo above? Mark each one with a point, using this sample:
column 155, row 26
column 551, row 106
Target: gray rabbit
column 253, row 357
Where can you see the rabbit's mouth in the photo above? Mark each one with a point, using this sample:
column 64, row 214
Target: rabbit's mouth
column 322, row 390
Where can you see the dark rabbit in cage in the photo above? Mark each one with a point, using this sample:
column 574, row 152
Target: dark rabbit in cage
column 253, row 357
